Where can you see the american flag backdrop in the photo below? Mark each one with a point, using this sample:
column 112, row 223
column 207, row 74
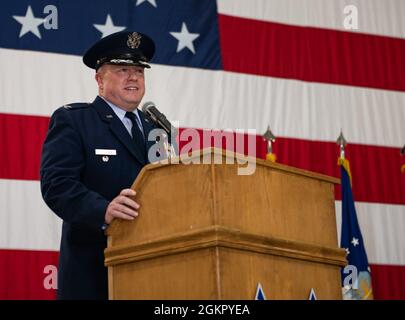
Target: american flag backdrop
column 223, row 64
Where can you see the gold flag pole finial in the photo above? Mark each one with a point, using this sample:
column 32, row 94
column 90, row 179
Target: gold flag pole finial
column 270, row 138
column 341, row 141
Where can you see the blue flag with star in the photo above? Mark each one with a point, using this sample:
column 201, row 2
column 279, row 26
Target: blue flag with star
column 359, row 286
column 182, row 34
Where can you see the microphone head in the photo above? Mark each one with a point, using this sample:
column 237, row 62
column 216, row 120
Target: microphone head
column 147, row 105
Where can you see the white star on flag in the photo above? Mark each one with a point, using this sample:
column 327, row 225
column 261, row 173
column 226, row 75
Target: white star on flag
column 29, row 23
column 347, row 251
column 152, row 2
column 185, row 38
column 355, row 242
column 108, row 28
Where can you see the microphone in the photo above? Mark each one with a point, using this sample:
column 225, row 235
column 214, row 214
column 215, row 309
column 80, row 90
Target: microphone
column 159, row 118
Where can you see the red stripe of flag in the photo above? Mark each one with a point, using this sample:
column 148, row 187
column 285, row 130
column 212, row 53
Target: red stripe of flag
column 21, row 139
column 22, row 274
column 312, row 54
column 376, row 170
column 386, row 281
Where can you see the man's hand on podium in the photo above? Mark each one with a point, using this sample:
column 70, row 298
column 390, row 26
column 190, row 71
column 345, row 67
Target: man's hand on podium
column 122, row 207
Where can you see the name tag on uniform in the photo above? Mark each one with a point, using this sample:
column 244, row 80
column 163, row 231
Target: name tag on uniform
column 105, row 152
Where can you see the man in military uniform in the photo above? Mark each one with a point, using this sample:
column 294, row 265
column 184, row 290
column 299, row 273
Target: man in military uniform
column 91, row 156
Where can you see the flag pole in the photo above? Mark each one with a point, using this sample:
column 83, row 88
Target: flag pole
column 356, row 276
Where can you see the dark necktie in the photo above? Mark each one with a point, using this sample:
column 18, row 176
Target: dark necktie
column 137, row 135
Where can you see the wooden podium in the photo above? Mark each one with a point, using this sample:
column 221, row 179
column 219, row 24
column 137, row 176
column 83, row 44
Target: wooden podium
column 205, row 232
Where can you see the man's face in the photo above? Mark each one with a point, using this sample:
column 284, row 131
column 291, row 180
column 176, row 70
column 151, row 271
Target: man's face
column 124, row 86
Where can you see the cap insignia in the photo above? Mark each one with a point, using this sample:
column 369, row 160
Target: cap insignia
column 134, row 40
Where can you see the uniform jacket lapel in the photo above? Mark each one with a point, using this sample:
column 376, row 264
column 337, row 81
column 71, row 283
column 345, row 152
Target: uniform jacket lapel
column 117, row 127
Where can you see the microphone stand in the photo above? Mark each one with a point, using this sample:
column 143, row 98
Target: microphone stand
column 170, row 133
column 169, row 147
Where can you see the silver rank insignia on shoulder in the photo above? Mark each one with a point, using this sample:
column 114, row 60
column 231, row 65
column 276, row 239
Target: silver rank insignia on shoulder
column 67, row 106
column 105, row 158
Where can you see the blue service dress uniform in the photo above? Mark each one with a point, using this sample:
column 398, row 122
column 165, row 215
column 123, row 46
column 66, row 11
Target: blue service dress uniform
column 78, row 184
